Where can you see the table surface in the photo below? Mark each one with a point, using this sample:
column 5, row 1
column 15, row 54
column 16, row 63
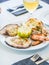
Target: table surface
column 7, row 55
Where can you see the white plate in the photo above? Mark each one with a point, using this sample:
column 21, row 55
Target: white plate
column 2, row 39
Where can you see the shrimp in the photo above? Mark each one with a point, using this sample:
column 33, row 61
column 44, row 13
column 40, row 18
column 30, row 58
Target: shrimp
column 39, row 37
column 36, row 43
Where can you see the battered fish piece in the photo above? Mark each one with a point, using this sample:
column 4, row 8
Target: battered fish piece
column 33, row 22
column 18, row 42
column 10, row 29
column 37, row 26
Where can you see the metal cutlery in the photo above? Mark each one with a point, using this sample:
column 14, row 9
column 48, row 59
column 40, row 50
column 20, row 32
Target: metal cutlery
column 40, row 61
column 35, row 57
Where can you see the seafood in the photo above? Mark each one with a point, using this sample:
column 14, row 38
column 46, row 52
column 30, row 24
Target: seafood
column 36, row 43
column 39, row 37
column 33, row 23
column 10, row 29
column 18, row 42
column 31, row 33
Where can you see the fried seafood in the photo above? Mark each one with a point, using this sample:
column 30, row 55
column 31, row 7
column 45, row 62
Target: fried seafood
column 37, row 26
column 18, row 42
column 33, row 22
column 10, row 29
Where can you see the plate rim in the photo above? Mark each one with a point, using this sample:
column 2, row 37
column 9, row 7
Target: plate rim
column 42, row 45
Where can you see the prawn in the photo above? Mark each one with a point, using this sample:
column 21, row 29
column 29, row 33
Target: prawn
column 36, row 43
column 39, row 37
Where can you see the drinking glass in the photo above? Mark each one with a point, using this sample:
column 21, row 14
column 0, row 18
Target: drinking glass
column 31, row 5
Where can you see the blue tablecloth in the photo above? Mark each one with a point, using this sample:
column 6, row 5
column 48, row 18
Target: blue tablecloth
column 28, row 61
column 47, row 1
column 3, row 1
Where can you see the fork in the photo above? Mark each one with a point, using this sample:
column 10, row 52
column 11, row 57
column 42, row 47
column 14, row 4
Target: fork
column 39, row 62
column 35, row 57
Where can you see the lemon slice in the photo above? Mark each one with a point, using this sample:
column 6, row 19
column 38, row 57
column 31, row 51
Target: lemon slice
column 24, row 31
